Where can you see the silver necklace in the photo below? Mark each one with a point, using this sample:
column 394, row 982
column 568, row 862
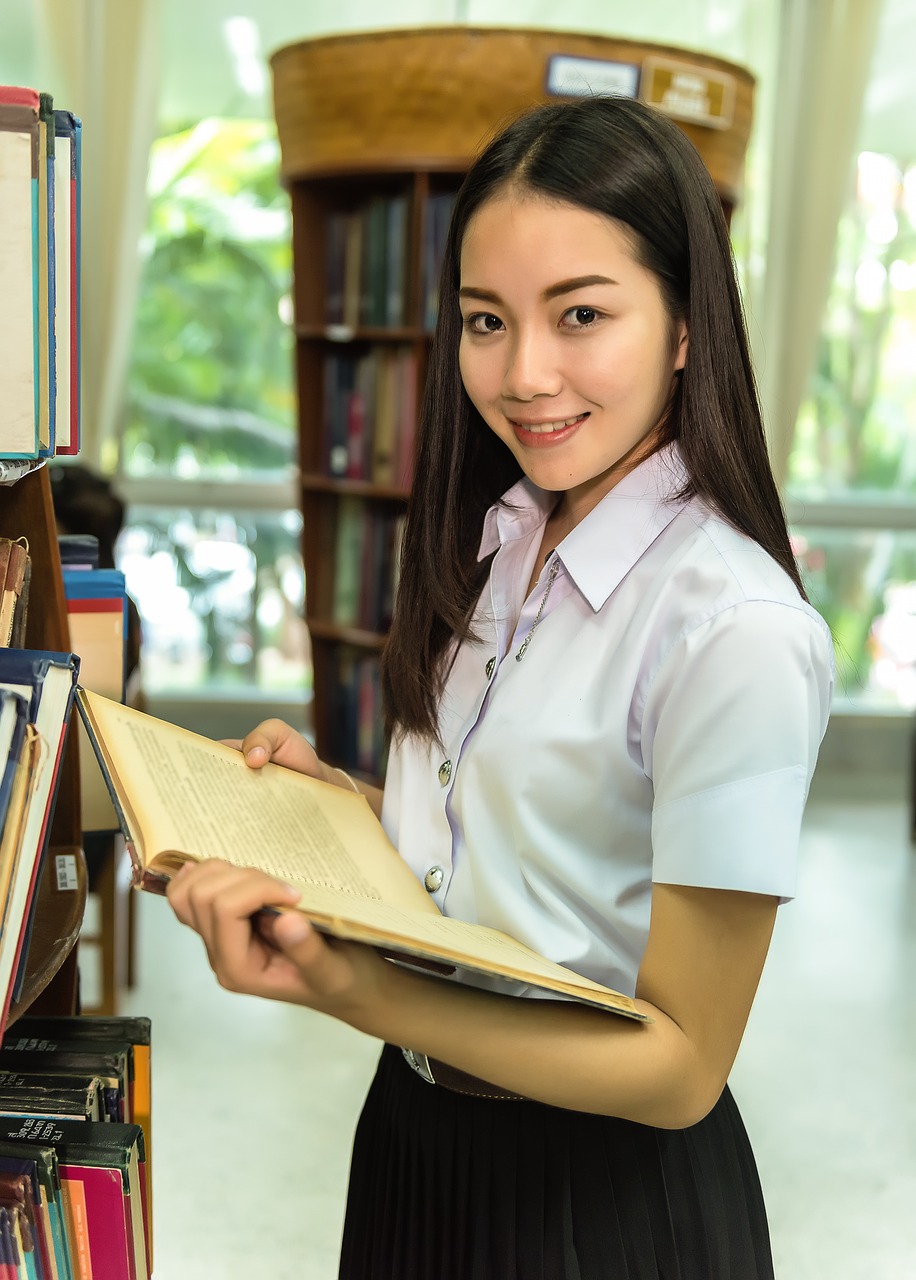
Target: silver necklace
column 554, row 570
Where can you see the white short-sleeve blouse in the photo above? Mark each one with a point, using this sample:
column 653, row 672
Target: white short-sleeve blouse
column 662, row 724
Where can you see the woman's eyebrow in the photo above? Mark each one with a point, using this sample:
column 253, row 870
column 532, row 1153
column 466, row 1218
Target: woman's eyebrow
column 577, row 282
column 485, row 295
column 553, row 291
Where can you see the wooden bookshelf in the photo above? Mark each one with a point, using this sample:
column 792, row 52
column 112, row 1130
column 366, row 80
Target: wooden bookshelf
column 376, row 132
column 51, row 973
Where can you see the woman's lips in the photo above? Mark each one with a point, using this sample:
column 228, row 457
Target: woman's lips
column 545, row 434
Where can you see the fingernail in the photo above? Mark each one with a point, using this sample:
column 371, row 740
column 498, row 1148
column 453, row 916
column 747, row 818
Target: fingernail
column 256, row 756
column 292, row 892
column 296, row 929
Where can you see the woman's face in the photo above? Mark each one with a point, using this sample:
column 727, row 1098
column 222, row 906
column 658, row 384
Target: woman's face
column 567, row 349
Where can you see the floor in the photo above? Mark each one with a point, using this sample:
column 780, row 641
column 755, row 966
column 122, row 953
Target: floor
column 255, row 1104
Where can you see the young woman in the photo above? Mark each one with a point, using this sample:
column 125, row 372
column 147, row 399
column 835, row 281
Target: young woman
column 606, row 692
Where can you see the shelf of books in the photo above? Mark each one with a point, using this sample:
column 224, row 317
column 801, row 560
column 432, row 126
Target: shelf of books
column 376, row 132
column 364, row 321
column 74, row 1091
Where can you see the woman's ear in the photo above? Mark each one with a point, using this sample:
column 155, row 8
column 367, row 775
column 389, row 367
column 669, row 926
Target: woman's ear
column 680, row 353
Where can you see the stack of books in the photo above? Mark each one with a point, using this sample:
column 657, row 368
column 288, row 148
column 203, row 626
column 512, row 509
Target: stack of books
column 40, row 163
column 75, row 1168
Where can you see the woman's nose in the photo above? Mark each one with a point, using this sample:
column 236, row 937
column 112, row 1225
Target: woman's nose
column 531, row 369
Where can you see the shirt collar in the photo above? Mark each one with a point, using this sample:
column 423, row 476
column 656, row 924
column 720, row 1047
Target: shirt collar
column 520, row 511
column 602, row 549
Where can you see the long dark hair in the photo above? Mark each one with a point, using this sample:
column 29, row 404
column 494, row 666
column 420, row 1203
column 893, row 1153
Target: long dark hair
column 620, row 158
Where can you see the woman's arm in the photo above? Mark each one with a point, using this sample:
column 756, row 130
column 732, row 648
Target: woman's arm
column 277, row 741
column 697, row 980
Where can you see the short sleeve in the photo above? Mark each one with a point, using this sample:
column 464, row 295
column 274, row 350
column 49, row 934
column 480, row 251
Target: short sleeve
column 731, row 729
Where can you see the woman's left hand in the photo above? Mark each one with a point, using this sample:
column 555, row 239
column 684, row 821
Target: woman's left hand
column 279, row 957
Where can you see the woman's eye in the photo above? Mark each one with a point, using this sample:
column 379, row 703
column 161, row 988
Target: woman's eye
column 483, row 322
column 580, row 317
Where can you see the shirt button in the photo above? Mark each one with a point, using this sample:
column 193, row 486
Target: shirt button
column 433, row 879
column 445, row 771
column 491, row 667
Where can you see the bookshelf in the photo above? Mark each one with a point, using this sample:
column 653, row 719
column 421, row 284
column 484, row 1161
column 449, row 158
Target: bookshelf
column 376, row 132
column 51, row 976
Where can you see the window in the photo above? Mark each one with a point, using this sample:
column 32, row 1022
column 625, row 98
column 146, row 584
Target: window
column 852, row 481
column 211, row 550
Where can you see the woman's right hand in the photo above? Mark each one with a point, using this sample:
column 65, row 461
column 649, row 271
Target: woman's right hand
column 280, row 743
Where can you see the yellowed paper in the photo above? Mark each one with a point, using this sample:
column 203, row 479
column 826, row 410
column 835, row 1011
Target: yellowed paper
column 176, row 783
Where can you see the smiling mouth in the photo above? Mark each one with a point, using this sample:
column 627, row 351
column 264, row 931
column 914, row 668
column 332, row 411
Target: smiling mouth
column 547, row 428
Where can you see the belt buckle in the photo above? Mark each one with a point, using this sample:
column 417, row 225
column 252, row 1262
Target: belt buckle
column 420, row 1064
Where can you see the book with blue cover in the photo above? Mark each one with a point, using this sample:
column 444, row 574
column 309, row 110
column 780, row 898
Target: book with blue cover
column 67, row 195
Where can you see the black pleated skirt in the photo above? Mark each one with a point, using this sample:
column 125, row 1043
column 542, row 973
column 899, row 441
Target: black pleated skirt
column 449, row 1187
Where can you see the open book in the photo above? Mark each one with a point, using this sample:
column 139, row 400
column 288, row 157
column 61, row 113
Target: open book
column 180, row 796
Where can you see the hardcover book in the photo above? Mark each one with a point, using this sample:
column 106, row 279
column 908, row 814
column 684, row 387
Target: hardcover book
column 65, row 1097
column 182, row 797
column 20, row 382
column 111, row 1063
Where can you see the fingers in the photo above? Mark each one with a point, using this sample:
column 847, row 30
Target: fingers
column 332, row 967
column 280, row 956
column 277, row 741
column 195, row 888
column 218, row 901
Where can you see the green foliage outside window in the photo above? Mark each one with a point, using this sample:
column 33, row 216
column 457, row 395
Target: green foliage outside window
column 210, row 385
column 856, row 438
column 855, row 431
column 210, row 397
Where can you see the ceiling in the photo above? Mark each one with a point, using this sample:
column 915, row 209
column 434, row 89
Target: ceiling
column 201, row 76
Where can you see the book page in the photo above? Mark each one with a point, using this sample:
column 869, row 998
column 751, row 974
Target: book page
column 198, row 797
